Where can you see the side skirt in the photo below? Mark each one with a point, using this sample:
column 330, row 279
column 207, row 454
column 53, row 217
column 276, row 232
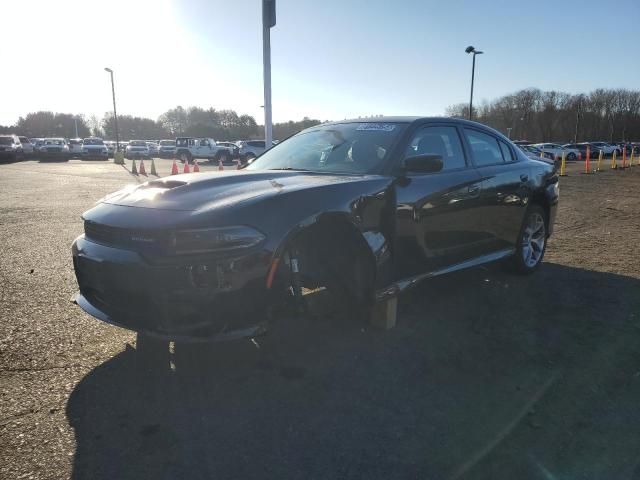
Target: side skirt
column 402, row 285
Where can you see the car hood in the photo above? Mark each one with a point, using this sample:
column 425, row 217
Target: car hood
column 208, row 191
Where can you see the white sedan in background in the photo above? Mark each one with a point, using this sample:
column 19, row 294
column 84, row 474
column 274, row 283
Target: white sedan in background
column 606, row 148
column 557, row 151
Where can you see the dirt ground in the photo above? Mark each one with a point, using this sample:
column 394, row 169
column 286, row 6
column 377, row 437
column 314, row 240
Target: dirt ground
column 487, row 375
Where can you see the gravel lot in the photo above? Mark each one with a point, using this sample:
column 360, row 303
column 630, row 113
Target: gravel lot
column 486, row 376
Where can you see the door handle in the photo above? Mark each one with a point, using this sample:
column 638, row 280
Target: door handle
column 524, row 177
column 473, row 189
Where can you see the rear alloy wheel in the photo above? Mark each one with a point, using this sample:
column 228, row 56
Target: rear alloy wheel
column 571, row 156
column 532, row 241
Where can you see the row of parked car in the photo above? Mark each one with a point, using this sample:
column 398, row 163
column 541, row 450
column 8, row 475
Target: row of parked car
column 186, row 149
column 576, row 151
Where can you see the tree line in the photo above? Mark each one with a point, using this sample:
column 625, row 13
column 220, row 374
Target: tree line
column 551, row 116
column 178, row 121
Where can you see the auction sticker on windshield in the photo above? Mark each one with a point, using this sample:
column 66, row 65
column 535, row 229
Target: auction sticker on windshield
column 377, row 127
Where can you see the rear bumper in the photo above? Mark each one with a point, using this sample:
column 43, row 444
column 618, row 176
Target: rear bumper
column 167, row 299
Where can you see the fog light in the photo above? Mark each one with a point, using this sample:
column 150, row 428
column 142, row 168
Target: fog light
column 199, row 275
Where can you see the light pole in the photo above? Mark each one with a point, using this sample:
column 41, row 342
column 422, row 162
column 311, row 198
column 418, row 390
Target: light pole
column 268, row 21
column 471, row 49
column 578, row 108
column 115, row 114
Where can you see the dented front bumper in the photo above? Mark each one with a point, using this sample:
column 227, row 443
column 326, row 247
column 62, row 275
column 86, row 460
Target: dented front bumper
column 179, row 298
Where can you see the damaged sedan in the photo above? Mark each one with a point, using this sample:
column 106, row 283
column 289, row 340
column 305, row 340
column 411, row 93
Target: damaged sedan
column 363, row 209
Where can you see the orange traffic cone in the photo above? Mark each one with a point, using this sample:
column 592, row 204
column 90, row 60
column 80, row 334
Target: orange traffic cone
column 196, row 168
column 220, row 166
column 141, row 170
column 174, row 169
column 186, row 167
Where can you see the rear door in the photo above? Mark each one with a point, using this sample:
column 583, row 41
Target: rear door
column 506, row 186
column 437, row 221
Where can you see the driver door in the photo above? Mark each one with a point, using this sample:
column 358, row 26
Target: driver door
column 437, row 221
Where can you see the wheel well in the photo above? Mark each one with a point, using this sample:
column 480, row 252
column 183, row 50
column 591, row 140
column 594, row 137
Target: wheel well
column 332, row 237
column 541, row 200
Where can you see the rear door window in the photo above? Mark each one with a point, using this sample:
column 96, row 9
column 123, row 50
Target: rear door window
column 485, row 148
column 507, row 154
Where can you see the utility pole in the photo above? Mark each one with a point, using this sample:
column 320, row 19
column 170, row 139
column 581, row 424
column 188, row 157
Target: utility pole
column 75, row 120
column 268, row 21
column 579, row 107
column 115, row 114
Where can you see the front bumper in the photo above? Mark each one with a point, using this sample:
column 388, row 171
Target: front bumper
column 135, row 154
column 167, row 153
column 189, row 299
column 95, row 154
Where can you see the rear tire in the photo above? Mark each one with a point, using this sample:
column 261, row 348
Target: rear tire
column 571, row 156
column 532, row 241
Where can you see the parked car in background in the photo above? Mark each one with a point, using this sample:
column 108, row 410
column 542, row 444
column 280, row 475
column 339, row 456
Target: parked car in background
column 189, row 148
column 54, row 149
column 558, row 150
column 94, row 148
column 250, row 149
column 606, row 148
column 137, row 149
column 75, row 147
column 234, row 150
column 111, row 147
column 535, row 152
column 11, row 148
column 27, row 147
column 37, row 143
column 582, row 148
column 364, row 209
column 153, row 149
column 167, row 149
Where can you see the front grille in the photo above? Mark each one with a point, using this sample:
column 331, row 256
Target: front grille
column 130, row 239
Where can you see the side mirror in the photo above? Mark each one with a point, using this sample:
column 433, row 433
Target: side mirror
column 423, row 163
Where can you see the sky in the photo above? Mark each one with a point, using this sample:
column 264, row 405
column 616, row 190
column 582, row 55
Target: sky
column 331, row 59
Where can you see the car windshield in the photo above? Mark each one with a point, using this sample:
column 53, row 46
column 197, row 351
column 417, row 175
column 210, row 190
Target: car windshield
column 137, row 143
column 338, row 148
column 6, row 140
column 168, row 143
column 93, row 141
column 54, row 141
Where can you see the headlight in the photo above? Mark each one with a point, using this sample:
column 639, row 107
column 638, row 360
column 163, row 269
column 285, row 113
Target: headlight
column 215, row 239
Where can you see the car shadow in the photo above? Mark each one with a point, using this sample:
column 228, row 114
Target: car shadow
column 324, row 397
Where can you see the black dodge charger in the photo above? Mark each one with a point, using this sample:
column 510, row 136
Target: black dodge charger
column 363, row 208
